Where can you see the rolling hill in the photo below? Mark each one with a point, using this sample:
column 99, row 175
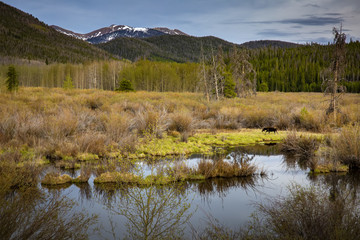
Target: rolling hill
column 178, row 48
column 24, row 36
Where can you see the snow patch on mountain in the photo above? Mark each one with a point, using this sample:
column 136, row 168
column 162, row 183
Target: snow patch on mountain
column 107, row 34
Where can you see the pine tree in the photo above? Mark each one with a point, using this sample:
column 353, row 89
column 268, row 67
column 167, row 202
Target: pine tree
column 12, row 82
column 229, row 86
column 263, row 87
column 125, row 86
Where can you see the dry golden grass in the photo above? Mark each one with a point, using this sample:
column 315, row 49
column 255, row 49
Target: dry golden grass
column 68, row 123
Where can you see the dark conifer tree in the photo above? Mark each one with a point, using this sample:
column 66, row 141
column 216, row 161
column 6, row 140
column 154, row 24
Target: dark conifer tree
column 12, row 82
column 125, row 86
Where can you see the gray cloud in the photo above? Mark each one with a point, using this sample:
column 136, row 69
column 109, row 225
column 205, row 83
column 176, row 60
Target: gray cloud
column 312, row 5
column 307, row 20
column 313, row 21
column 275, row 33
column 233, row 20
column 333, row 14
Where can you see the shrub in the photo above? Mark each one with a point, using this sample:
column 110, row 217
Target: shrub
column 302, row 147
column 240, row 167
column 151, row 123
column 307, row 213
column 226, row 122
column 93, row 102
column 118, row 126
column 92, row 142
column 311, row 121
column 263, row 87
column 347, row 146
column 181, row 122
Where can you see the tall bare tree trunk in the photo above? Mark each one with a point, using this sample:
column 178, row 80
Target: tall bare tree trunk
column 205, row 82
column 215, row 78
column 333, row 97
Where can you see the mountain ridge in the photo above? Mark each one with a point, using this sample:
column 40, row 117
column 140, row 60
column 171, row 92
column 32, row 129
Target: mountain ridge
column 179, row 48
column 106, row 34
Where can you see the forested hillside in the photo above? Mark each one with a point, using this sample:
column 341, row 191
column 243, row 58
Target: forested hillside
column 162, row 63
column 289, row 70
column 178, row 48
column 300, row 69
column 24, row 36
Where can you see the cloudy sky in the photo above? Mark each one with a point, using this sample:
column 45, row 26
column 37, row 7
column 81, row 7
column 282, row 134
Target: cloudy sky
column 236, row 21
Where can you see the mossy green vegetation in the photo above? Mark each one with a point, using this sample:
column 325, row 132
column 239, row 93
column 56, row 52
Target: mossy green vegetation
column 327, row 168
column 204, row 142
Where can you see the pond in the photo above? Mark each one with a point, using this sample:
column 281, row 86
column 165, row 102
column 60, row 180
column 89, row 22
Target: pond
column 130, row 210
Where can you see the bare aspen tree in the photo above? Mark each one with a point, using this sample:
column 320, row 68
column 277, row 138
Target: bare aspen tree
column 243, row 73
column 220, row 69
column 203, row 74
column 216, row 72
column 332, row 77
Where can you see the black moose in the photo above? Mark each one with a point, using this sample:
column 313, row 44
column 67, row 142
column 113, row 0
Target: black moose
column 269, row 130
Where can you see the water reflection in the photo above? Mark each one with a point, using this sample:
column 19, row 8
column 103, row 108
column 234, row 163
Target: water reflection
column 221, row 186
column 85, row 191
column 141, row 211
column 152, row 212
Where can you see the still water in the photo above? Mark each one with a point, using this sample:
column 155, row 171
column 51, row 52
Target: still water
column 125, row 210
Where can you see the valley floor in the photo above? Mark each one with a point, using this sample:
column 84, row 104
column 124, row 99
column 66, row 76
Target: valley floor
column 42, row 124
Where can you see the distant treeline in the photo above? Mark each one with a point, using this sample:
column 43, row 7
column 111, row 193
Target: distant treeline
column 144, row 75
column 300, row 69
column 278, row 69
column 100, row 75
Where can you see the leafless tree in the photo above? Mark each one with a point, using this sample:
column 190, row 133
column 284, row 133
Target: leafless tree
column 333, row 76
column 243, row 73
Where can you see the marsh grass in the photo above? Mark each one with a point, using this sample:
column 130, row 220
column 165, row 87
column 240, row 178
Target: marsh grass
column 347, row 146
column 302, row 146
column 54, row 178
column 240, row 166
column 60, row 124
column 306, row 213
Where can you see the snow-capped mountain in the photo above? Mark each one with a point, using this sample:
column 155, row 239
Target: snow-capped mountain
column 107, row 34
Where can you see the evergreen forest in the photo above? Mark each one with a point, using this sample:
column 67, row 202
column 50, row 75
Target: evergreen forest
column 295, row 69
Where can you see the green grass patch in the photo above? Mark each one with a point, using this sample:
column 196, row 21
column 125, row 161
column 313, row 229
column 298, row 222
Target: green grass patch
column 327, row 168
column 204, row 142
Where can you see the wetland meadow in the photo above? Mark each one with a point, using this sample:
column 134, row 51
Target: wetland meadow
column 94, row 164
